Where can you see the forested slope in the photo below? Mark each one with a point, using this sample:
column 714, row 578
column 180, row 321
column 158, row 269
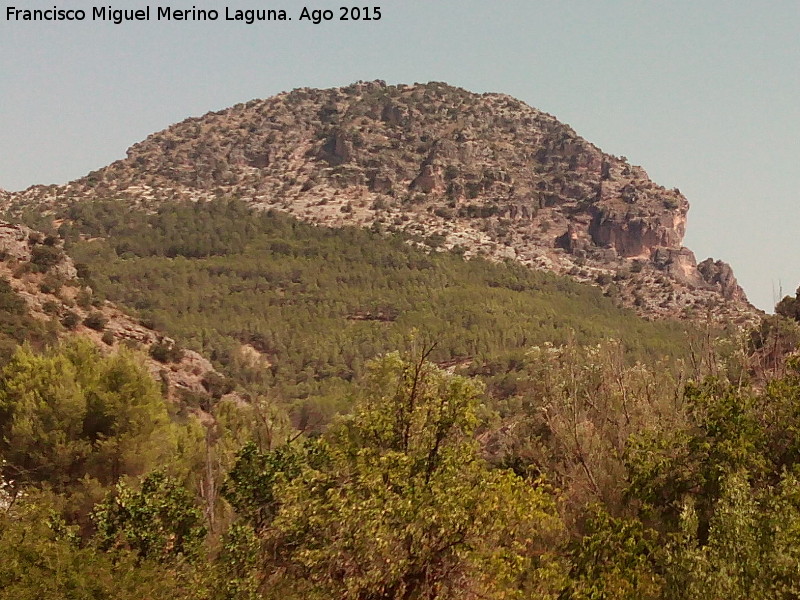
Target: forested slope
column 295, row 310
column 461, row 429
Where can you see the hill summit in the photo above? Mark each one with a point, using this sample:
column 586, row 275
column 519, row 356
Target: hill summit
column 480, row 174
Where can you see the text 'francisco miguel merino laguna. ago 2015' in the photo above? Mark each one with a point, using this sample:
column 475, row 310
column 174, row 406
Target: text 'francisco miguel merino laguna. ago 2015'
column 167, row 13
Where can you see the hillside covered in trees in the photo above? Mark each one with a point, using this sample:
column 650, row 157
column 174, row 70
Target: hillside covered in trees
column 294, row 310
column 385, row 343
column 386, row 422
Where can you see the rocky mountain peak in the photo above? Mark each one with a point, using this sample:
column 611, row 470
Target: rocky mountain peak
column 484, row 174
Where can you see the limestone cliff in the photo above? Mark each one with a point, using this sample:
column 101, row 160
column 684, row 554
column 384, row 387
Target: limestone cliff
column 483, row 173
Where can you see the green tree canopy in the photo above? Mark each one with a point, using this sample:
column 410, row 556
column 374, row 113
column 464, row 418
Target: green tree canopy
column 71, row 415
column 400, row 504
column 159, row 521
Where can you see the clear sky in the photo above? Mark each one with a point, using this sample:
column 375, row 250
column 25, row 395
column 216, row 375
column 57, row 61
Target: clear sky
column 705, row 95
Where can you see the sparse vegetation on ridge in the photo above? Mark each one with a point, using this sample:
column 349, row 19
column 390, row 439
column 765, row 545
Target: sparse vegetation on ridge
column 481, row 172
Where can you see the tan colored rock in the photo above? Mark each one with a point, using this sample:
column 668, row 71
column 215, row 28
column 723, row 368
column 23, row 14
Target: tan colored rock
column 720, row 274
column 489, row 173
column 428, row 180
column 14, row 241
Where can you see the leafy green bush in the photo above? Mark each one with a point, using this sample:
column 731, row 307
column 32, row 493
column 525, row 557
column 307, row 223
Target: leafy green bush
column 16, row 323
column 397, row 503
column 166, row 351
column 42, row 560
column 159, row 522
column 70, row 417
column 71, row 320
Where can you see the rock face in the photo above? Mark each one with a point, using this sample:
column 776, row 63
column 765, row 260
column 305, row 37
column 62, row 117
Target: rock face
column 22, row 244
column 634, row 236
column 720, row 275
column 15, row 241
column 484, row 172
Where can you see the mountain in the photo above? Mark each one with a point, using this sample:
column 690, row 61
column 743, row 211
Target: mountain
column 483, row 174
column 387, row 419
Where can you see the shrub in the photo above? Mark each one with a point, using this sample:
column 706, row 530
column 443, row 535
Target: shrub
column 217, row 385
column 444, row 212
column 50, row 307
column 71, row 320
column 84, row 273
column 84, row 298
column 166, row 351
column 44, row 257
column 96, row 321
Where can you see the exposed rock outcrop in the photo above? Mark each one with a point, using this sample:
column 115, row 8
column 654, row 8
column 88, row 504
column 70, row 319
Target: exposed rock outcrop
column 337, row 149
column 680, row 264
column 483, row 172
column 720, row 274
column 15, row 241
column 633, row 236
column 22, row 244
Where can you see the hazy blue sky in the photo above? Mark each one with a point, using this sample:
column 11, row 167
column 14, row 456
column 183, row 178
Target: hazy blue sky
column 705, row 95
